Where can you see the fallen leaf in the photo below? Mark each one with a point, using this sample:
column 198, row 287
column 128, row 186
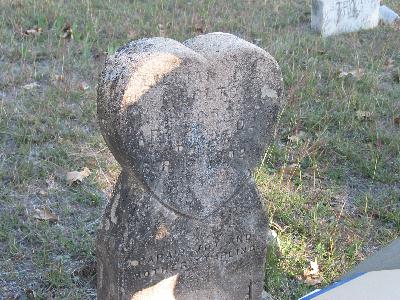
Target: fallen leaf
column 397, row 121
column 45, row 215
column 88, row 270
column 311, row 274
column 30, row 294
column 363, row 115
column 357, row 73
column 33, row 31
column 77, row 176
column 67, row 31
column 31, row 86
column 84, row 86
column 313, row 281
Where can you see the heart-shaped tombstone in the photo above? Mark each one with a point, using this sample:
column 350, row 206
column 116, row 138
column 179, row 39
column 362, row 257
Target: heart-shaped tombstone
column 191, row 120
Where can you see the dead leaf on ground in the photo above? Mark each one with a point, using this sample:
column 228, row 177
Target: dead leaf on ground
column 311, row 274
column 77, row 176
column 67, row 31
column 86, row 271
column 313, row 281
column 30, row 294
column 83, row 86
column 30, row 86
column 33, row 31
column 45, row 215
column 397, row 121
column 363, row 115
column 356, row 73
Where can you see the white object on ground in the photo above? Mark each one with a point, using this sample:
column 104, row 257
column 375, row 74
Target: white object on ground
column 332, row 17
column 387, row 16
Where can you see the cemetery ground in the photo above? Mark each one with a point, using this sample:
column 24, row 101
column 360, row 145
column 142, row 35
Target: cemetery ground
column 331, row 177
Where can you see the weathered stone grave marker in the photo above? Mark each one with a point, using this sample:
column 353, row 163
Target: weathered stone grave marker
column 340, row 16
column 187, row 122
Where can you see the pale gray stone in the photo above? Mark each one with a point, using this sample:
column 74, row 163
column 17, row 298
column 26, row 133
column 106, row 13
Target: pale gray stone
column 188, row 123
column 387, row 15
column 332, row 17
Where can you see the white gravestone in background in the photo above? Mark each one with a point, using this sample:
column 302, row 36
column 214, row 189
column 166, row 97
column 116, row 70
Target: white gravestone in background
column 339, row 16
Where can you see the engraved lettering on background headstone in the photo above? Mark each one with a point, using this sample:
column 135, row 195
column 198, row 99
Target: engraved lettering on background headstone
column 340, row 16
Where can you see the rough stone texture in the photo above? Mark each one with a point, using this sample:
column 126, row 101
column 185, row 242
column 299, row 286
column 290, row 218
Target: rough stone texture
column 340, row 16
column 187, row 122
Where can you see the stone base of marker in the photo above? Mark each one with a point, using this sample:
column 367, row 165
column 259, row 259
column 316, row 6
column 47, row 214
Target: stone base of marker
column 159, row 255
column 332, row 17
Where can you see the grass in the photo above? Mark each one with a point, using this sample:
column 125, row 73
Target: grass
column 331, row 178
